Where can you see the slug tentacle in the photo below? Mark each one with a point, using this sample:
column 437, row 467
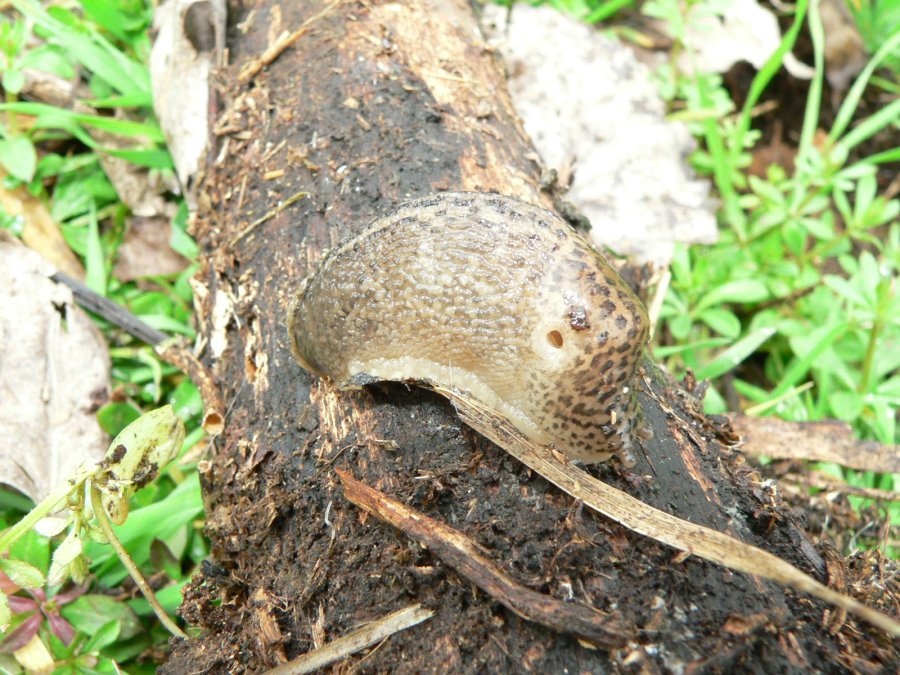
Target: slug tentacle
column 489, row 295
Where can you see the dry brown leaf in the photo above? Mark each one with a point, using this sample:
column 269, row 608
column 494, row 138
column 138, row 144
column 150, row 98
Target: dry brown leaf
column 54, row 373
column 146, row 251
column 139, row 189
column 845, row 53
column 40, row 232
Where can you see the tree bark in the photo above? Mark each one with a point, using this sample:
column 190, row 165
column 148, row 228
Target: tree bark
column 374, row 103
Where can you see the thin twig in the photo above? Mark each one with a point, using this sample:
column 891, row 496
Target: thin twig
column 179, row 354
column 457, row 551
column 251, row 69
column 109, row 310
column 268, row 215
column 366, row 636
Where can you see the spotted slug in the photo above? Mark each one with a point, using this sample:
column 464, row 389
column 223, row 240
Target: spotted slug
column 488, row 295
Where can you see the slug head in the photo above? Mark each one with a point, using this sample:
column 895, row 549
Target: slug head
column 590, row 337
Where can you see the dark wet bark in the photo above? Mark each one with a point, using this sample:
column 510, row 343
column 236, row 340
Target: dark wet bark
column 376, row 103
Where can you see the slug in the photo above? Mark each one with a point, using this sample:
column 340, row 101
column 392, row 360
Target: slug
column 491, row 296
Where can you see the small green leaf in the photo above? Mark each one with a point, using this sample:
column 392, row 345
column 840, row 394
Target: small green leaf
column 808, row 350
column 15, row 225
column 18, row 156
column 890, row 388
column 113, row 417
column 180, row 241
column 163, row 559
column 865, row 195
column 680, row 326
column 742, row 291
column 885, row 422
column 766, row 190
column 714, row 403
column 821, row 228
column 815, row 205
column 13, row 80
column 22, row 574
column 735, row 354
column 846, row 405
column 845, row 289
column 169, row 597
column 794, row 237
column 106, row 635
column 90, row 612
column 186, row 400
column 722, row 321
column 33, row 547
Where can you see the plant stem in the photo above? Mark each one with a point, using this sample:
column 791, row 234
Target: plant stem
column 106, row 527
column 869, row 359
column 50, row 502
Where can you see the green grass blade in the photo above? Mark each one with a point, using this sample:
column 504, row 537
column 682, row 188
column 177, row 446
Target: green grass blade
column 735, row 354
column 890, row 114
column 91, row 50
column 851, row 102
column 814, row 98
column 152, row 158
column 606, row 10
column 671, row 350
column 734, row 214
column 892, row 155
column 765, row 75
column 106, row 14
column 129, row 128
column 139, row 100
column 799, row 368
column 95, row 263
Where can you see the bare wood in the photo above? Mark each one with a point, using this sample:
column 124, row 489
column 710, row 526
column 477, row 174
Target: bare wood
column 823, row 441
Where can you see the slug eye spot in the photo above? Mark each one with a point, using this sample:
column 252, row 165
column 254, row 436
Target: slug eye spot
column 555, row 338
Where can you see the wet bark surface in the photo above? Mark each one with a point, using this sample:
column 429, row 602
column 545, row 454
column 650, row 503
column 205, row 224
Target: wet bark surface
column 374, row 104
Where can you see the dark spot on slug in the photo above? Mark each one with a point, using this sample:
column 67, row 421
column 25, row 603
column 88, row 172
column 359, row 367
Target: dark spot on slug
column 578, row 318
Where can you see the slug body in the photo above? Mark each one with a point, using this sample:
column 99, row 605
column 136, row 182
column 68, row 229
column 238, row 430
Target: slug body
column 489, row 295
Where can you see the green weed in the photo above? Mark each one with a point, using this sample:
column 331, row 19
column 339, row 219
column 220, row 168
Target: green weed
column 88, row 628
